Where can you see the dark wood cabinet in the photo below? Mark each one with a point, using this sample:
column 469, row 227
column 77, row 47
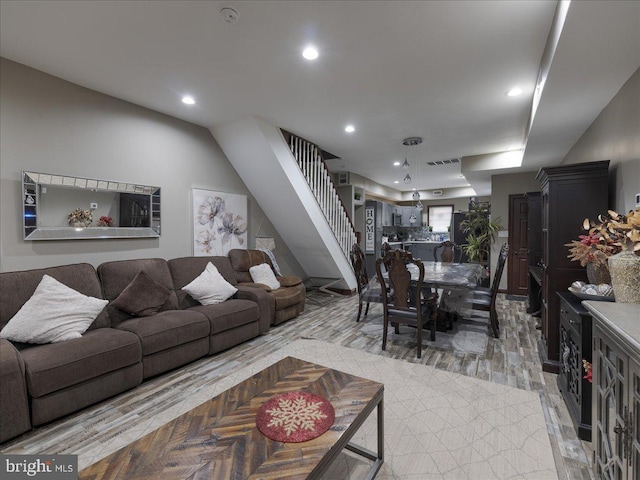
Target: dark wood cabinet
column 575, row 346
column 534, row 251
column 534, row 228
column 570, row 193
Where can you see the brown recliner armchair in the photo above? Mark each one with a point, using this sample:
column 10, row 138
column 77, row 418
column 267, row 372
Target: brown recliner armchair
column 287, row 301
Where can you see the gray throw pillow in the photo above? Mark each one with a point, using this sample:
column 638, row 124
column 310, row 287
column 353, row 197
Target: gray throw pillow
column 143, row 297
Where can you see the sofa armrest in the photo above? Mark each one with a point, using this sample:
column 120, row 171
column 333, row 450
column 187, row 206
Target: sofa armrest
column 261, row 286
column 289, row 281
column 266, row 303
column 14, row 402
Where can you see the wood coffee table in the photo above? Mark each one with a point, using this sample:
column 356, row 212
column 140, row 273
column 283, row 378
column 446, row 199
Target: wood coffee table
column 219, row 439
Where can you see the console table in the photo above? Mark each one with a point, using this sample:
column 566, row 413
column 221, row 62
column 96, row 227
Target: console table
column 575, row 345
column 616, row 389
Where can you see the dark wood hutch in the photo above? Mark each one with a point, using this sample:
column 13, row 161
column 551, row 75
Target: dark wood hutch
column 570, row 193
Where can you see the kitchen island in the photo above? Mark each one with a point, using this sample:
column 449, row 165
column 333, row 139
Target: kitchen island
column 421, row 249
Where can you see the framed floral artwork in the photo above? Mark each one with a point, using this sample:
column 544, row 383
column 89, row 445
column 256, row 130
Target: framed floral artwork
column 219, row 222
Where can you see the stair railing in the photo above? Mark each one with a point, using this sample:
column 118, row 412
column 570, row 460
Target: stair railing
column 311, row 163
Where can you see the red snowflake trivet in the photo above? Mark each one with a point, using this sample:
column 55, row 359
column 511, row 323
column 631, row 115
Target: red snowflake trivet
column 295, row 417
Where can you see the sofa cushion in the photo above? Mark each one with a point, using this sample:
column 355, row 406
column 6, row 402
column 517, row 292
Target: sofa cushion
column 167, row 329
column 143, row 297
column 56, row 366
column 243, row 260
column 230, row 314
column 17, row 287
column 210, row 287
column 54, row 313
column 185, row 269
column 116, row 276
column 263, row 274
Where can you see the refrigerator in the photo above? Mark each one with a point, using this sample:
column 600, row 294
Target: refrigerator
column 456, row 234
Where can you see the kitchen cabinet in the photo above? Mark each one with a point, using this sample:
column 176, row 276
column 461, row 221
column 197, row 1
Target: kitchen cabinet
column 616, row 390
column 406, row 216
column 575, row 346
column 387, row 214
column 570, row 193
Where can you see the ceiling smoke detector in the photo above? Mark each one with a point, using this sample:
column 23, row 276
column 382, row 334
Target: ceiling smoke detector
column 229, row 14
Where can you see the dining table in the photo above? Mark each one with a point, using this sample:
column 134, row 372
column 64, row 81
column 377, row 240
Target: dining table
column 455, row 283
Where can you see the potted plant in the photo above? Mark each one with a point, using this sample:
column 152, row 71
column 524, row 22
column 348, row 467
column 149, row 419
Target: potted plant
column 593, row 251
column 481, row 232
column 623, row 233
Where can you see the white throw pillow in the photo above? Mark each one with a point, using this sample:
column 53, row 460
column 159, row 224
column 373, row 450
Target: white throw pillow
column 210, row 287
column 54, row 313
column 263, row 274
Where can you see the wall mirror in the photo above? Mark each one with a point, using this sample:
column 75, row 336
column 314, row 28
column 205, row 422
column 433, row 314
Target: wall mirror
column 57, row 207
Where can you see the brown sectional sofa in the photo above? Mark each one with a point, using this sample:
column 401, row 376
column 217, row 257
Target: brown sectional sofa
column 64, row 377
column 43, row 382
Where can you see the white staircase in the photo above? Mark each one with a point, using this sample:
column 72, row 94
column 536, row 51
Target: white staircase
column 294, row 189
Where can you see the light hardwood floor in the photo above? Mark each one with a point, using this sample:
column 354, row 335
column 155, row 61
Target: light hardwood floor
column 510, row 360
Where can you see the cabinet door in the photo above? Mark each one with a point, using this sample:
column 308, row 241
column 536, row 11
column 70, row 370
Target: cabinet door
column 610, row 402
column 634, row 407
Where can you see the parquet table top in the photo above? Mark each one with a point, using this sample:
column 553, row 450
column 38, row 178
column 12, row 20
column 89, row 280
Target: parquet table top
column 219, row 438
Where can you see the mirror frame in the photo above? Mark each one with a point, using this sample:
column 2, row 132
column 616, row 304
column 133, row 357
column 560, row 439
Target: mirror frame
column 32, row 182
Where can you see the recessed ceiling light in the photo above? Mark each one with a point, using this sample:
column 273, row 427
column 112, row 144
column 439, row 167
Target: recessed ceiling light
column 349, row 129
column 514, row 92
column 188, row 100
column 396, row 181
column 310, row 52
column 396, row 163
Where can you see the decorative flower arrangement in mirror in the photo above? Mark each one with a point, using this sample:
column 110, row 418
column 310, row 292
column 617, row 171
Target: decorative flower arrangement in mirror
column 104, row 221
column 80, row 218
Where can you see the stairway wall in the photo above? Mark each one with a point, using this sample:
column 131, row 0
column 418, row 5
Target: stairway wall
column 258, row 152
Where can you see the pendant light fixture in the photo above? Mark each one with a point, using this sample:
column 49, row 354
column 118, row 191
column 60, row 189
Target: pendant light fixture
column 409, row 142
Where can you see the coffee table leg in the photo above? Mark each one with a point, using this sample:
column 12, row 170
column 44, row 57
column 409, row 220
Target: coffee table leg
column 379, row 458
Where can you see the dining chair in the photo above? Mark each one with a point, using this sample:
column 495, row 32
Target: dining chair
column 447, row 252
column 368, row 289
column 504, row 250
column 487, row 303
column 405, row 302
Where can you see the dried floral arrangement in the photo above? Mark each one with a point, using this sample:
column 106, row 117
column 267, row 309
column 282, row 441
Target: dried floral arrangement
column 611, row 234
column 80, row 216
column 105, row 221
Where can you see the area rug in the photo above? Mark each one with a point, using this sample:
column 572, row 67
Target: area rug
column 467, row 335
column 438, row 425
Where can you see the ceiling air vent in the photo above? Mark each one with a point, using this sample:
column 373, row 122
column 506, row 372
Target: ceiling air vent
column 440, row 163
column 436, row 193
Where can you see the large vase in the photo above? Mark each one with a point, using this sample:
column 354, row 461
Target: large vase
column 624, row 268
column 598, row 273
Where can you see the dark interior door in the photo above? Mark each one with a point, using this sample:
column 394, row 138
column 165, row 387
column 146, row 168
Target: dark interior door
column 518, row 264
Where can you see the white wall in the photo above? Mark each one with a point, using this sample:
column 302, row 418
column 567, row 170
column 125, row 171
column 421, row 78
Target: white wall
column 52, row 126
column 615, row 136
